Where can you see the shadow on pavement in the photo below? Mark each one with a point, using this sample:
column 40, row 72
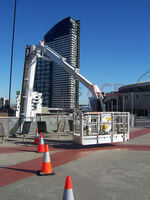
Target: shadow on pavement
column 17, row 142
column 25, row 143
column 69, row 144
column 26, row 150
column 21, row 170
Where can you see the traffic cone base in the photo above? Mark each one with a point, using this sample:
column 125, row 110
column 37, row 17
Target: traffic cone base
column 45, row 174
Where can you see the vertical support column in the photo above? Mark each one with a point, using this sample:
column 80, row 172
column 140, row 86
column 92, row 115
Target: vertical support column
column 98, row 124
column 89, row 125
column 112, row 132
column 98, row 127
column 74, row 123
column 81, row 128
column 117, row 106
column 123, row 102
column 132, row 103
column 128, row 132
column 2, row 139
column 124, row 125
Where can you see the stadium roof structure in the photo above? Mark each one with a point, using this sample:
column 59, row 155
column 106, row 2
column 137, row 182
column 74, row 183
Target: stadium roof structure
column 136, row 87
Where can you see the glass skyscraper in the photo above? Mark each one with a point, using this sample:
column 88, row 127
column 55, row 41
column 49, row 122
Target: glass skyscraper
column 59, row 89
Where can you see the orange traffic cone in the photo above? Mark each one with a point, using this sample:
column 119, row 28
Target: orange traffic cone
column 46, row 165
column 41, row 147
column 36, row 139
column 68, row 192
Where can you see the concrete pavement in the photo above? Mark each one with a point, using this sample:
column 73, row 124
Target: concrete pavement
column 118, row 171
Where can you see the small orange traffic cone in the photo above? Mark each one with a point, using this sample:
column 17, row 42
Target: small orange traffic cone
column 41, row 147
column 68, row 192
column 36, row 139
column 46, row 165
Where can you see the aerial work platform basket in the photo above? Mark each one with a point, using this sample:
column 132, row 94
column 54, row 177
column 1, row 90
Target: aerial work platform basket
column 101, row 127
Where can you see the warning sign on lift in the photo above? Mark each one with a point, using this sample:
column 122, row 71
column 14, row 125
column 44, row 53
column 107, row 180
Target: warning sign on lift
column 106, row 118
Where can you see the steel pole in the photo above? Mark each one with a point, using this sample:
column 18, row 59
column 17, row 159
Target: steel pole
column 123, row 102
column 132, row 103
column 12, row 49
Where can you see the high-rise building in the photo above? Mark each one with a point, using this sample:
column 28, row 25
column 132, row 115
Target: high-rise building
column 59, row 89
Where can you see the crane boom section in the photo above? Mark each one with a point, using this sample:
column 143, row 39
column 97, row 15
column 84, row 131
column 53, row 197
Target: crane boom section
column 61, row 61
column 53, row 56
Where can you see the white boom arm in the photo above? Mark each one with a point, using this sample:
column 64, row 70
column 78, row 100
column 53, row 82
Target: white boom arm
column 58, row 59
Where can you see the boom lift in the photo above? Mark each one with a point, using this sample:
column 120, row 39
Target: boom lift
column 89, row 128
column 50, row 55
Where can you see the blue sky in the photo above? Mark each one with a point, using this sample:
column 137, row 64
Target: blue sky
column 115, row 38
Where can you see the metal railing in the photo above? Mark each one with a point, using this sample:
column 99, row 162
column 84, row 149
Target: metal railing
column 102, row 127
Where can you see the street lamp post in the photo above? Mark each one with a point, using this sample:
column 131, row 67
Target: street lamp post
column 12, row 49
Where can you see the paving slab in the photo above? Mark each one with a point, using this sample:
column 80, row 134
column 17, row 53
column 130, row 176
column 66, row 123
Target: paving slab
column 9, row 159
column 141, row 140
column 102, row 175
column 107, row 172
